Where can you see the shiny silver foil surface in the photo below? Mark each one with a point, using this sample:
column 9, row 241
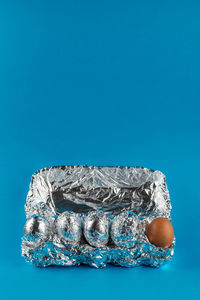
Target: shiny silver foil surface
column 94, row 215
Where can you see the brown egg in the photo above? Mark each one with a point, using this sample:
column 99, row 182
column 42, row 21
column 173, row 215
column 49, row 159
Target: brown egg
column 160, row 233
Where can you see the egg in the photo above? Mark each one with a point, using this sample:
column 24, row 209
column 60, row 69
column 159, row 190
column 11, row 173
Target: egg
column 125, row 230
column 36, row 229
column 160, row 233
column 96, row 229
column 68, row 226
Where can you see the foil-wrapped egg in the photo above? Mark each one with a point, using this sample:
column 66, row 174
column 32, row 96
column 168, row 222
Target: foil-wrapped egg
column 160, row 233
column 96, row 229
column 125, row 230
column 69, row 227
column 36, row 229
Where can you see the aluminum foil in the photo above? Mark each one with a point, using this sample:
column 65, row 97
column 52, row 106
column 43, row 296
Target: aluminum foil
column 94, row 215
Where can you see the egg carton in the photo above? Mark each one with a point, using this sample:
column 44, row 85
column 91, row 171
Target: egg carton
column 95, row 215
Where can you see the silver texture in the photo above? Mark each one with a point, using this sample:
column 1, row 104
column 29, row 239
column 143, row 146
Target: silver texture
column 96, row 229
column 125, row 230
column 94, row 215
column 69, row 228
column 36, row 229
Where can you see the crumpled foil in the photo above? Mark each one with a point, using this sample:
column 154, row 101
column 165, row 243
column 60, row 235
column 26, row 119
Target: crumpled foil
column 94, row 215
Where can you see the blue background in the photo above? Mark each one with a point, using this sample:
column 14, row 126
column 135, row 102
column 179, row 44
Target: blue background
column 100, row 83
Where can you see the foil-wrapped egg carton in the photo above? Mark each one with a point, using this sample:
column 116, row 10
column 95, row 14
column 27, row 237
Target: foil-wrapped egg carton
column 94, row 215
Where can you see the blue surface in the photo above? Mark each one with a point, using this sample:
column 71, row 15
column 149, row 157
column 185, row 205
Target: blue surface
column 100, row 83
